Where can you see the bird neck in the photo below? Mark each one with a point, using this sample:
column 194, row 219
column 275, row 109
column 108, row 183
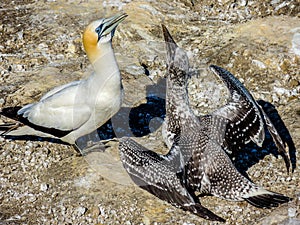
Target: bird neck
column 103, row 60
column 97, row 53
column 107, row 75
column 178, row 105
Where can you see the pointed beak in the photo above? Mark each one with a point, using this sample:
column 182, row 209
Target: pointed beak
column 170, row 44
column 110, row 24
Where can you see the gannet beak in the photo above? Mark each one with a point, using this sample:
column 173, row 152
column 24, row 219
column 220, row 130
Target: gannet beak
column 110, row 24
column 170, row 44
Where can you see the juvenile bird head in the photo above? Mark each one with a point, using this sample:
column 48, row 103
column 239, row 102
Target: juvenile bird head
column 177, row 60
column 99, row 33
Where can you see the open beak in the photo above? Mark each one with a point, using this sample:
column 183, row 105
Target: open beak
column 111, row 23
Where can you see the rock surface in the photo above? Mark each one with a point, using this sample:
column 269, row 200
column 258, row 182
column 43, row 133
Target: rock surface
column 40, row 47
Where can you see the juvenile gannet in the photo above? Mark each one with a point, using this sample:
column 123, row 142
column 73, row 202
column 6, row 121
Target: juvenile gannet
column 75, row 109
column 243, row 119
column 196, row 161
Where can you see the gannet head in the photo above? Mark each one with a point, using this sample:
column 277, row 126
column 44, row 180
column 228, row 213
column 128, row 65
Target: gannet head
column 177, row 60
column 99, row 33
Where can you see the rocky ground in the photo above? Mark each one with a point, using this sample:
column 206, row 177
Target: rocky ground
column 46, row 182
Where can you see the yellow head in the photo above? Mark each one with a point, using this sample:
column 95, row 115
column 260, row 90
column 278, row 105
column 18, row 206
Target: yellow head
column 100, row 32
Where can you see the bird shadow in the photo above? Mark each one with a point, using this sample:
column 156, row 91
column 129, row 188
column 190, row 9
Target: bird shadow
column 130, row 122
column 35, row 138
column 136, row 121
column 251, row 154
column 147, row 117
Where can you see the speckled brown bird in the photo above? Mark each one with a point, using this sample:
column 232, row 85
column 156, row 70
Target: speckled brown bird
column 196, row 161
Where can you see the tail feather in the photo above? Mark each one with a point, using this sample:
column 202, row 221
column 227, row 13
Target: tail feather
column 23, row 127
column 11, row 112
column 268, row 200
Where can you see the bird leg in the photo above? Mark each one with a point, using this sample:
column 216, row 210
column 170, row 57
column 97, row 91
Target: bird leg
column 6, row 128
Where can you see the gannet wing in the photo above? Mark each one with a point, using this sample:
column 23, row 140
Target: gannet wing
column 60, row 88
column 157, row 175
column 246, row 118
column 66, row 109
column 241, row 110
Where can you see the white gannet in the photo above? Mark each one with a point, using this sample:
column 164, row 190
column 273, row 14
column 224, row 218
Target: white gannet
column 75, row 109
column 196, row 161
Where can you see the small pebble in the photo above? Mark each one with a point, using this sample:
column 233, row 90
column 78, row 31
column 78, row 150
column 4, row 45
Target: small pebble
column 95, row 211
column 44, row 187
column 292, row 212
column 80, row 210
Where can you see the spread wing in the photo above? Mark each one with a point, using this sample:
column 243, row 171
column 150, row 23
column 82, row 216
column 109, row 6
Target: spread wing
column 246, row 119
column 159, row 175
column 211, row 172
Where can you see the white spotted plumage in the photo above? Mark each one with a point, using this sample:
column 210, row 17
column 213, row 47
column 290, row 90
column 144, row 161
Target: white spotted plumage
column 199, row 162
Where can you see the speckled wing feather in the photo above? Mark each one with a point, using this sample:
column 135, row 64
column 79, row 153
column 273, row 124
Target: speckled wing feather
column 210, row 171
column 160, row 175
column 246, row 119
column 196, row 160
column 207, row 168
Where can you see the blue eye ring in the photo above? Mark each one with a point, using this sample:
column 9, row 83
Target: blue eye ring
column 98, row 30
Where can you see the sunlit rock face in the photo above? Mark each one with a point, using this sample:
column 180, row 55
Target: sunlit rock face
column 40, row 48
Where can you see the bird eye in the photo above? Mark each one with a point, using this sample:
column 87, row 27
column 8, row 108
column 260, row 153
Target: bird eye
column 98, row 29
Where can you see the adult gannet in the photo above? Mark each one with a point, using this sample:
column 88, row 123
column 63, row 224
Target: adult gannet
column 196, row 161
column 75, row 109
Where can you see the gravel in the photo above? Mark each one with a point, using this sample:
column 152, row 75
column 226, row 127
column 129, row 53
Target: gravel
column 44, row 182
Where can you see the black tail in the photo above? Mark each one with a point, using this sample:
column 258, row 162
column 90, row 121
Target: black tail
column 268, row 200
column 11, row 112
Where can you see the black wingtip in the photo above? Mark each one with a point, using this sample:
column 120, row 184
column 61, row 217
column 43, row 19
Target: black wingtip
column 203, row 212
column 215, row 68
column 286, row 161
column 268, row 200
column 12, row 113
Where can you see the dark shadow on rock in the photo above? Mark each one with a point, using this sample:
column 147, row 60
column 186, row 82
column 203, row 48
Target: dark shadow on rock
column 35, row 138
column 252, row 154
column 133, row 122
column 284, row 133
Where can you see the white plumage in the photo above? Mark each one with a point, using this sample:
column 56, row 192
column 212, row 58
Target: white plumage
column 80, row 107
